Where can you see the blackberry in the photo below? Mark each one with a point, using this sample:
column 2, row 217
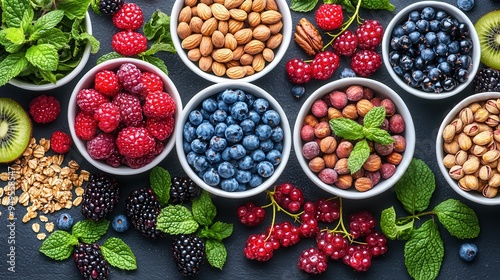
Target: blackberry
column 487, row 79
column 183, row 190
column 90, row 262
column 188, row 252
column 100, row 196
column 143, row 208
column 110, row 7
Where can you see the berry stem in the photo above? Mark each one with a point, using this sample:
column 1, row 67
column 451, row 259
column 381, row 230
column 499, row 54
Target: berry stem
column 345, row 25
column 416, row 216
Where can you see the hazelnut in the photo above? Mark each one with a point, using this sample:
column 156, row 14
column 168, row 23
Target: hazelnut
column 354, row 93
column 341, row 166
column 374, row 176
column 383, row 150
column 328, row 145
column 396, row 124
column 363, row 106
column 330, row 160
column 344, row 149
column 363, row 184
column 399, row 144
column 311, row 120
column 390, row 108
column 350, row 112
column 387, row 170
column 338, row 99
column 344, row 181
column 367, row 93
column 334, row 113
column 319, row 108
column 373, row 163
column 307, row 133
column 394, row 158
column 328, row 176
column 322, row 130
column 310, row 150
column 316, row 164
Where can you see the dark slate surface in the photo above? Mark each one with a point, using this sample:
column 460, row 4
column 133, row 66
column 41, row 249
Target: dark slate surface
column 154, row 258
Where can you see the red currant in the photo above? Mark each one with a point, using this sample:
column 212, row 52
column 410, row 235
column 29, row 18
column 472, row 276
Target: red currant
column 259, row 248
column 289, row 197
column 358, row 257
column 361, row 224
column 251, row 215
column 309, row 226
column 332, row 244
column 286, row 233
column 327, row 211
column 377, row 243
column 313, row 261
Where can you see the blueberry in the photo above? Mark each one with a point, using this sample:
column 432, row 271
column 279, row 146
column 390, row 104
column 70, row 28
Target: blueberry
column 449, row 84
column 409, row 27
column 248, row 126
column 229, row 185
column 463, row 30
column 437, row 87
column 205, row 131
column 452, row 59
column 435, row 25
column 219, row 115
column 462, row 75
column 398, row 31
column 406, row 63
column 237, row 151
column 254, row 116
column 265, row 169
column 465, row 5
column 226, row 169
column 272, row 118
column 245, row 163
column 205, row 114
column 198, row 146
column 277, row 134
column 255, row 181
column 211, row 177
column 427, row 54
column 230, row 120
column 394, row 43
column 200, row 163
column 414, row 16
column 209, row 105
column 465, row 46
column 434, row 74
column 260, row 105
column 454, row 47
column 191, row 157
column 250, row 142
column 427, row 85
column 220, row 129
column 441, row 49
column 218, row 144
column 241, row 95
column 447, row 24
column 419, row 63
column 234, row 133
column 186, row 146
column 347, row 73
column 120, row 223
column 440, row 14
column 266, row 145
column 249, row 99
column 415, row 37
column 225, row 154
column 221, row 105
column 278, row 146
column 258, row 155
column 404, row 42
column 212, row 156
column 189, row 132
column 243, row 176
column 65, row 221
column 195, row 117
column 229, row 96
column 467, row 251
column 298, row 91
column 443, row 37
column 422, row 25
column 263, row 131
column 398, row 70
column 445, row 68
column 431, row 39
column 242, row 187
column 274, row 157
column 428, row 13
column 239, row 110
column 465, row 61
column 418, row 75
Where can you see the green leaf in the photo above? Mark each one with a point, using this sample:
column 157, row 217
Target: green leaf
column 156, row 62
column 55, row 37
column 88, row 231
column 416, row 186
column 118, row 254
column 43, row 56
column 176, row 219
column 74, row 8
column 47, row 21
column 48, row 76
column 13, row 12
column 59, row 245
column 15, row 35
column 27, row 19
column 11, row 66
column 303, row 6
column 158, row 27
column 393, row 228
column 216, row 253
column 108, row 56
column 346, row 128
column 204, row 211
column 160, row 183
column 358, row 156
column 460, row 220
column 424, row 252
column 156, row 47
column 346, row 4
column 375, row 117
column 217, row 231
column 378, row 135
column 94, row 43
column 377, row 5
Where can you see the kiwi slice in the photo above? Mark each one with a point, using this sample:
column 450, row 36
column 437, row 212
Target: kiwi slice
column 15, row 130
column 488, row 30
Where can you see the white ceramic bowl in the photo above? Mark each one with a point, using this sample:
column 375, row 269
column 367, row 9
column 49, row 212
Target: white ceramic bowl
column 87, row 81
column 212, row 91
column 66, row 79
column 453, row 11
column 279, row 52
column 474, row 196
column 380, row 90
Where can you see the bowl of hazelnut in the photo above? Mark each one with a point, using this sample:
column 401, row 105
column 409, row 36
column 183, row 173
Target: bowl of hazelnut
column 231, row 40
column 467, row 148
column 354, row 138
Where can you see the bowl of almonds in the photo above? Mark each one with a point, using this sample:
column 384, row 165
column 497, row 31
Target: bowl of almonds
column 468, row 148
column 226, row 40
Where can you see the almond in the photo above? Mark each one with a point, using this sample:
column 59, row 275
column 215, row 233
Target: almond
column 246, row 6
column 222, row 55
column 183, row 30
column 203, row 11
column 223, row 27
column 218, row 39
column 238, row 14
column 271, row 5
column 258, row 5
column 243, row 36
column 194, row 11
column 268, row 54
column 258, row 62
column 253, row 19
column 207, row 2
column 230, row 42
column 195, row 24
column 235, row 25
column 205, row 63
column 194, row 54
column 232, row 63
column 246, row 59
column 238, row 52
column 209, row 26
column 254, row 47
column 219, row 69
column 219, row 1
column 206, row 46
column 261, row 32
column 274, row 41
column 276, row 28
column 249, row 69
column 190, row 3
column 192, row 41
column 236, row 72
column 219, row 11
column 270, row 17
column 231, row 4
column 185, row 14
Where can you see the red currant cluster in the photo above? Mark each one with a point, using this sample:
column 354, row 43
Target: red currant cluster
column 355, row 244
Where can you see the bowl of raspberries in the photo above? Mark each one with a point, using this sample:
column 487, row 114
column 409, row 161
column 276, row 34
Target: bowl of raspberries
column 431, row 50
column 122, row 114
column 233, row 139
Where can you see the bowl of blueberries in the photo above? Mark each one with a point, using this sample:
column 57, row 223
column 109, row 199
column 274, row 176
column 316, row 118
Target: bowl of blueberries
column 234, row 139
column 431, row 50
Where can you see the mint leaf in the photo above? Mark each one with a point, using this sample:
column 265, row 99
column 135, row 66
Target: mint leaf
column 13, row 12
column 43, row 56
column 303, row 6
column 54, row 37
column 156, row 62
column 59, row 245
column 358, row 156
column 346, row 128
column 74, row 8
column 393, row 228
column 11, row 66
column 108, row 56
column 157, row 29
column 204, row 210
column 216, row 253
column 15, row 35
column 157, row 47
column 118, row 254
column 94, row 43
column 424, row 252
column 27, row 19
column 88, row 231
column 378, row 5
column 160, row 183
column 47, row 21
column 460, row 220
column 47, row 76
column 176, row 219
column 375, row 117
column 416, row 186
column 346, row 4
column 217, row 231
column 378, row 135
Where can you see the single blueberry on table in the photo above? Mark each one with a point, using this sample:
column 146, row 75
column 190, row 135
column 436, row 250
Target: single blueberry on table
column 65, row 221
column 120, row 223
column 347, row 73
column 465, row 5
column 467, row 252
column 298, row 91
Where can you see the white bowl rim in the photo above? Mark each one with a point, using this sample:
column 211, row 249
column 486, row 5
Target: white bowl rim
column 351, row 193
column 472, row 196
column 278, row 55
column 66, row 79
column 256, row 91
column 476, row 51
column 72, row 107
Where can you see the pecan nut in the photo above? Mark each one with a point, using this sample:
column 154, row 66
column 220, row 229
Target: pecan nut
column 308, row 37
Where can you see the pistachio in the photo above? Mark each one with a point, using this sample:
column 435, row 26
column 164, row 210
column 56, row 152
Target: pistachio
column 456, row 172
column 496, row 135
column 483, row 138
column 460, row 157
column 451, row 148
column 485, row 173
column 481, row 115
column 466, row 115
column 474, row 107
column 464, row 141
column 492, row 106
column 470, row 182
column 471, row 129
column 478, row 150
column 470, row 166
column 449, row 160
column 492, row 120
column 491, row 156
column 449, row 133
column 494, row 181
column 489, row 192
column 458, row 124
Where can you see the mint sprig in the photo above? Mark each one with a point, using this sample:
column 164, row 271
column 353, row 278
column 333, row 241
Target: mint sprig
column 118, row 254
column 160, row 183
column 59, row 245
column 176, row 219
column 89, row 231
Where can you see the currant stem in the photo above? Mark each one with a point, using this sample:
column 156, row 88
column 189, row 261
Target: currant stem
column 345, row 25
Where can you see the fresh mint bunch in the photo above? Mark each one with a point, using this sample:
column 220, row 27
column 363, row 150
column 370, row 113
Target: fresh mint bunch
column 349, row 5
column 370, row 130
column 424, row 248
column 40, row 43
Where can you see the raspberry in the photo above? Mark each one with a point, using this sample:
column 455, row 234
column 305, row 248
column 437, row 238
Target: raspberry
column 110, row 7
column 130, row 77
column 251, row 215
column 365, row 62
column 324, row 65
column 345, row 44
column 107, row 116
column 138, row 162
column 309, row 226
column 332, row 244
column 361, row 224
column 358, row 257
column 60, row 142
column 115, row 159
column 90, row 261
column 327, row 211
column 129, row 17
column 159, row 104
column 152, row 82
column 289, row 197
column 160, row 129
column 135, row 142
column 377, row 243
column 286, row 233
column 44, row 108
column 312, row 261
column 130, row 109
column 106, row 82
column 85, row 126
column 101, row 147
column 369, row 34
column 129, row 43
column 329, row 16
column 298, row 71
column 90, row 99
column 259, row 248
